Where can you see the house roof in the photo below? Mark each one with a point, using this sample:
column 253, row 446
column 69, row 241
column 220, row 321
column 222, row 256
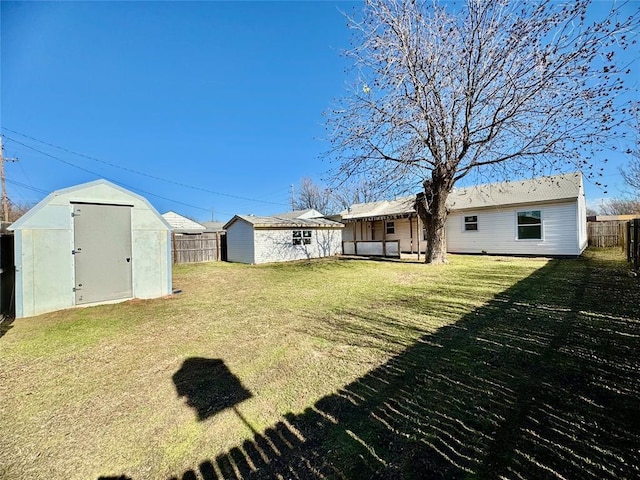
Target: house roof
column 544, row 189
column 280, row 222
column 213, row 226
column 18, row 224
column 180, row 224
column 307, row 213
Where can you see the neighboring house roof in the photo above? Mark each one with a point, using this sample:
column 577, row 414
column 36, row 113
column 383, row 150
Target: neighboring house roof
column 307, row 213
column 280, row 222
column 544, row 189
column 213, row 226
column 180, row 224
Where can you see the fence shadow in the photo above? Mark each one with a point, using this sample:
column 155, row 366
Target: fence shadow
column 542, row 382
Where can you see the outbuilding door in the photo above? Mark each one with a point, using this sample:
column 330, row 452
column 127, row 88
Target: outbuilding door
column 102, row 253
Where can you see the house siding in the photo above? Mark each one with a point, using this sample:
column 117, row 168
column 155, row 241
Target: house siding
column 497, row 231
column 240, row 242
column 276, row 245
column 582, row 219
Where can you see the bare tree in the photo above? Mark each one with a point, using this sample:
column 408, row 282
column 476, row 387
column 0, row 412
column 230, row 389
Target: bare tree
column 312, row 195
column 16, row 210
column 620, row 206
column 631, row 173
column 497, row 87
column 355, row 190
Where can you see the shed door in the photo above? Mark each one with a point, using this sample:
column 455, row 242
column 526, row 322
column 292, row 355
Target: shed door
column 102, row 237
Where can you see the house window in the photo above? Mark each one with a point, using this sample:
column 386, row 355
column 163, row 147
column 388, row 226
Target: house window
column 471, row 223
column 530, row 225
column 306, row 237
column 297, row 237
column 391, row 228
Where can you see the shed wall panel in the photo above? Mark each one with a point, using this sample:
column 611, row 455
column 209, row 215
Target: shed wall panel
column 151, row 273
column 46, row 271
column 497, row 231
column 240, row 244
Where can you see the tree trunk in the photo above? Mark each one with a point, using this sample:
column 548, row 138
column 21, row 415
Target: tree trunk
column 432, row 210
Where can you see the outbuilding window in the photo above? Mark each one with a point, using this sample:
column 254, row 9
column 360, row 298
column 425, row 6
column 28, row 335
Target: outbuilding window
column 471, row 223
column 530, row 225
column 301, row 237
column 306, row 237
column 391, row 228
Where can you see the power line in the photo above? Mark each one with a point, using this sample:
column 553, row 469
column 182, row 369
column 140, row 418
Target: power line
column 131, row 170
column 28, row 187
column 113, row 181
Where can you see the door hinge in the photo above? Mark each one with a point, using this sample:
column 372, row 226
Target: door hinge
column 74, row 214
column 73, row 252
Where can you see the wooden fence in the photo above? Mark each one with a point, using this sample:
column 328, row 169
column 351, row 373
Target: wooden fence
column 606, row 234
column 205, row 247
column 633, row 243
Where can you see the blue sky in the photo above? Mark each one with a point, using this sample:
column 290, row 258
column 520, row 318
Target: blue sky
column 226, row 97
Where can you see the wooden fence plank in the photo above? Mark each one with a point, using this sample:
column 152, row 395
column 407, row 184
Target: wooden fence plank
column 605, row 234
column 196, row 248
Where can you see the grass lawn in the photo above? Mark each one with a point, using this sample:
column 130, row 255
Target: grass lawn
column 486, row 368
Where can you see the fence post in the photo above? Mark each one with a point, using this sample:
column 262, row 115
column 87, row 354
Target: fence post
column 636, row 244
column 174, row 247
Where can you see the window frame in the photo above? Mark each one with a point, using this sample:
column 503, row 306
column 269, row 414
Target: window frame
column 391, row 224
column 301, row 237
column 466, row 223
column 529, row 225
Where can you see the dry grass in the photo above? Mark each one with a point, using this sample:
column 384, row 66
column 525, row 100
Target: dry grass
column 90, row 392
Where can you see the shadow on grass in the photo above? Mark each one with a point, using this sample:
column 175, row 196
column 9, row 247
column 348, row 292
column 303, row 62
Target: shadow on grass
column 541, row 382
column 208, row 386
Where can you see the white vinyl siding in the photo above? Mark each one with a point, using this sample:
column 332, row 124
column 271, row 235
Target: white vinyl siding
column 240, row 243
column 499, row 231
column 275, row 245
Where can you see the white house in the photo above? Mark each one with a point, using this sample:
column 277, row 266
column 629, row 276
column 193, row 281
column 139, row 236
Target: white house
column 88, row 244
column 252, row 239
column 183, row 225
column 543, row 216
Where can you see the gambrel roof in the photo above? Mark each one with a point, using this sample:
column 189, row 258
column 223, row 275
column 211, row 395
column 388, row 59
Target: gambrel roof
column 544, row 189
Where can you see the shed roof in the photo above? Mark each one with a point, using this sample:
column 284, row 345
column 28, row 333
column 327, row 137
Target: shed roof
column 280, row 222
column 544, row 189
column 180, row 224
column 24, row 220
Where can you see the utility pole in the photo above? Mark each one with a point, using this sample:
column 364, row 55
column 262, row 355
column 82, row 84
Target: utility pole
column 5, row 199
column 293, row 198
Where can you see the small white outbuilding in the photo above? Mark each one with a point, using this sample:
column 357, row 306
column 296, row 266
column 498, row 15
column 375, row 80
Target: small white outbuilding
column 89, row 244
column 252, row 239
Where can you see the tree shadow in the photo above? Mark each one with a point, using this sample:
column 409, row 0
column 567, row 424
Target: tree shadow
column 209, row 386
column 540, row 382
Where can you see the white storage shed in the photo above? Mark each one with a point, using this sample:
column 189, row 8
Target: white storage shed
column 89, row 244
column 252, row 239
